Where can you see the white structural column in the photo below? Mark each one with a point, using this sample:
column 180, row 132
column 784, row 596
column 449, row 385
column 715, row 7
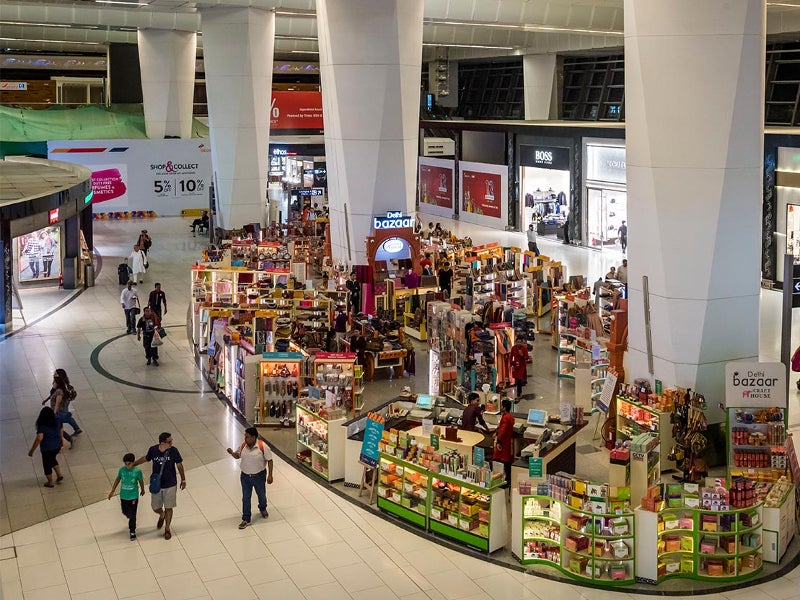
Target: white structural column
column 370, row 67
column 539, row 77
column 694, row 103
column 238, row 45
column 167, row 63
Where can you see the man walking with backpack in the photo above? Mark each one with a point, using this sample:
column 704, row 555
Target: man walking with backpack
column 256, row 465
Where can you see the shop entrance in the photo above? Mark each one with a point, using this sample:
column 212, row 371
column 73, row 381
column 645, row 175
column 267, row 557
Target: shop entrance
column 544, row 186
column 606, row 209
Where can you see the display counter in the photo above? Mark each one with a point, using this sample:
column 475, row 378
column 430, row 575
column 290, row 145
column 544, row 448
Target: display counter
column 558, row 457
column 588, row 546
column 448, row 506
column 467, row 440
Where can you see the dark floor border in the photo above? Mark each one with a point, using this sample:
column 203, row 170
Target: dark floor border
column 94, row 360
column 78, row 291
column 474, row 553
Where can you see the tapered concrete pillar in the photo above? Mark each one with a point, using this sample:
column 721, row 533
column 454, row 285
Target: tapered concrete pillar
column 694, row 103
column 167, row 62
column 370, row 66
column 238, row 45
column 539, row 77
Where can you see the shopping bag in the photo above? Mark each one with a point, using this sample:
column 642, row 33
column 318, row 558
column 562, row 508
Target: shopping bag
column 157, row 341
column 162, row 333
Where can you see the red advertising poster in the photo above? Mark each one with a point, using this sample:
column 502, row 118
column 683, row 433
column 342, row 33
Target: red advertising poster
column 435, row 185
column 109, row 184
column 482, row 194
column 296, row 112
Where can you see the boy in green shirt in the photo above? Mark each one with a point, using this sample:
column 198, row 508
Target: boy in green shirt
column 129, row 475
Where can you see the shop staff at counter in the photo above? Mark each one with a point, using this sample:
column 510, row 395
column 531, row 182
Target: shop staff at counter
column 473, row 414
column 504, row 445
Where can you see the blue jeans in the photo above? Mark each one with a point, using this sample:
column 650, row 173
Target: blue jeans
column 66, row 418
column 250, row 482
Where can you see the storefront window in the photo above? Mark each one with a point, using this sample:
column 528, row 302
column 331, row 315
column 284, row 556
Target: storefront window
column 606, row 198
column 544, row 187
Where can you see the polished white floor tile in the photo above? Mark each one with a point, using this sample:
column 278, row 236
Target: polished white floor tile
column 88, row 579
column 135, row 583
column 182, row 586
column 229, row 588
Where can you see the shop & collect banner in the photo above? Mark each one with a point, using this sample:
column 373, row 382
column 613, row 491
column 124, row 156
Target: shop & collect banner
column 164, row 176
column 436, row 186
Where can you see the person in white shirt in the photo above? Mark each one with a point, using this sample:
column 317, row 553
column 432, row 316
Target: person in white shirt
column 138, row 261
column 256, row 465
column 130, row 304
column 622, row 271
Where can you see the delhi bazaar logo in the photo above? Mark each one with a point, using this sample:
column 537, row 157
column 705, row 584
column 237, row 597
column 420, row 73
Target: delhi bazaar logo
column 758, row 383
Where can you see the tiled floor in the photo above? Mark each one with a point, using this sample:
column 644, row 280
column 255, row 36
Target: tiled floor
column 69, row 542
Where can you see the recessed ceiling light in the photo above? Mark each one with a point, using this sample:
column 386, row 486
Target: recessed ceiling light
column 122, row 2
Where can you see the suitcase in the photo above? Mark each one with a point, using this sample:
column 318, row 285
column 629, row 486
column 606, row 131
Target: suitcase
column 124, row 273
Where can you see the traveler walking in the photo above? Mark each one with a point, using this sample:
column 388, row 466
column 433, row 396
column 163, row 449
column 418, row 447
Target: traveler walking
column 156, row 298
column 138, row 262
column 129, row 476
column 255, row 461
column 48, row 439
column 61, row 396
column 144, row 241
column 164, row 481
column 129, row 299
column 146, row 331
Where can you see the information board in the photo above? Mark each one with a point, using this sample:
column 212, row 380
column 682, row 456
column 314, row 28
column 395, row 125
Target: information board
column 478, row 456
column 607, row 394
column 369, row 447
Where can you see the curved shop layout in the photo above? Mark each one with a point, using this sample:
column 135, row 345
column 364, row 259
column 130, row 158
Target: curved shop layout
column 45, row 226
column 297, row 360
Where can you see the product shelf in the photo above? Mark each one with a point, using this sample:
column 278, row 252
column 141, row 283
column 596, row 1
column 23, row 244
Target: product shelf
column 314, row 450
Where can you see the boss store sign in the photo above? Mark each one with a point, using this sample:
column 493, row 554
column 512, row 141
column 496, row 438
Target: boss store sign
column 544, row 157
column 393, row 220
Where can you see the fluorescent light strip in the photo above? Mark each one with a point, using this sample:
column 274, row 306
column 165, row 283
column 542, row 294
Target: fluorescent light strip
column 62, row 25
column 523, row 27
column 8, row 39
column 480, row 46
column 124, row 2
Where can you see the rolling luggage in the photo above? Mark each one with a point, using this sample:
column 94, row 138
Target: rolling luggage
column 124, row 273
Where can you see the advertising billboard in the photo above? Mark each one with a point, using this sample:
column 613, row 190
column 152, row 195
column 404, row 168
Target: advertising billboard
column 436, row 186
column 164, row 176
column 483, row 193
column 296, row 113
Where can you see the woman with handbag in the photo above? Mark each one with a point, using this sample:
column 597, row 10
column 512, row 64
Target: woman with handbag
column 60, row 397
column 147, row 331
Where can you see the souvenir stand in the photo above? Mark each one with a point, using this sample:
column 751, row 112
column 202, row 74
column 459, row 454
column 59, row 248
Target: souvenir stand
column 393, row 241
column 409, row 307
column 334, row 389
column 280, row 383
column 761, row 451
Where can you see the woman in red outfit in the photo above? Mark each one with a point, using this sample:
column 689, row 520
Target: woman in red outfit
column 519, row 363
column 504, row 444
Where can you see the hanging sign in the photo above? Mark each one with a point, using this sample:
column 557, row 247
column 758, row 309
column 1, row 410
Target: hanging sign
column 393, row 220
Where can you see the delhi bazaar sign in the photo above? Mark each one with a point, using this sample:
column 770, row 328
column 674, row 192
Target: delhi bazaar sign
column 393, row 220
column 755, row 384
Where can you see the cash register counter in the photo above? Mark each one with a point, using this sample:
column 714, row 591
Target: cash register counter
column 560, row 456
column 355, row 434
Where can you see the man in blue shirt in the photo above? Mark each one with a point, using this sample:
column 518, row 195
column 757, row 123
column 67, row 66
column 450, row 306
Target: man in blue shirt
column 166, row 459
